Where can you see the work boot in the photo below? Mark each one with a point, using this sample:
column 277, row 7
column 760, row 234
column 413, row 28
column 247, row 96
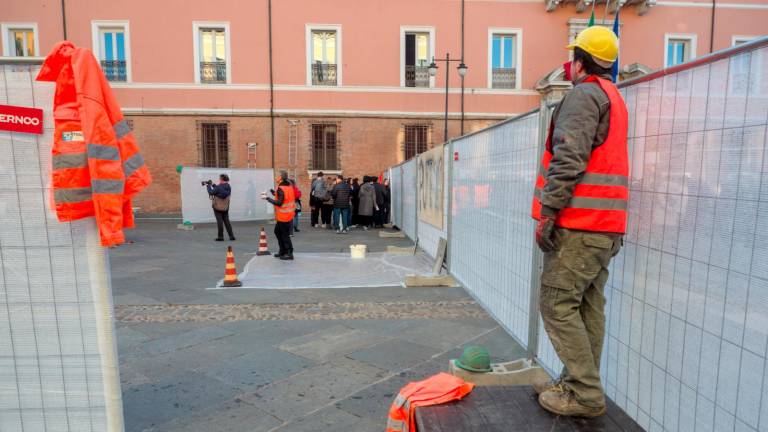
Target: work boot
column 287, row 257
column 564, row 403
column 278, row 255
column 541, row 386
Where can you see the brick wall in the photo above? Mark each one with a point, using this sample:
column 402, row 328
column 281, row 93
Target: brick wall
column 366, row 146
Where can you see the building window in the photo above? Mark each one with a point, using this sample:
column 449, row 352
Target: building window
column 324, row 146
column 416, row 54
column 415, row 140
column 679, row 49
column 504, row 57
column 738, row 40
column 20, row 40
column 214, row 145
column 111, row 45
column 212, row 52
column 324, row 47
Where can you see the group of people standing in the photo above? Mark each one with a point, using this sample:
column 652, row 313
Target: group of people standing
column 339, row 203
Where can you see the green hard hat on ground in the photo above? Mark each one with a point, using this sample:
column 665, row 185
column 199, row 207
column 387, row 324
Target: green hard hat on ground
column 475, row 359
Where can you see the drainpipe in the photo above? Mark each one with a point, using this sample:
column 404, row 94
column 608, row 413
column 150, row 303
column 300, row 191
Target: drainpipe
column 712, row 29
column 64, row 18
column 271, row 88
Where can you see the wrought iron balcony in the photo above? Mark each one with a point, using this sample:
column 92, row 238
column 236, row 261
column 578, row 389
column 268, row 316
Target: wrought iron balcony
column 324, row 74
column 114, row 70
column 416, row 76
column 503, row 78
column 213, row 72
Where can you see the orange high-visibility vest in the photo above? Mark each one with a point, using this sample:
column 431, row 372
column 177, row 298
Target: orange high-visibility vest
column 600, row 199
column 438, row 389
column 97, row 167
column 287, row 211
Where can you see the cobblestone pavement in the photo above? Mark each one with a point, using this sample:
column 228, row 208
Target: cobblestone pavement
column 198, row 360
column 298, row 311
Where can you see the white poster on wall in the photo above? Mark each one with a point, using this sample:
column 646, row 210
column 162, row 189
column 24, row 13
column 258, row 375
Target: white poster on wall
column 245, row 202
column 430, row 179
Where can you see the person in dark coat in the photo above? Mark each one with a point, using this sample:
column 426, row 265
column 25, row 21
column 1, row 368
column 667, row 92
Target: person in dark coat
column 219, row 195
column 326, row 211
column 378, row 215
column 342, row 200
column 367, row 204
column 355, row 201
column 387, row 202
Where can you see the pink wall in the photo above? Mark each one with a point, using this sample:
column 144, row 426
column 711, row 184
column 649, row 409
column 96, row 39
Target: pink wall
column 162, row 46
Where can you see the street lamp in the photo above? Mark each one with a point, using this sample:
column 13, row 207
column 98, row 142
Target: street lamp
column 462, row 69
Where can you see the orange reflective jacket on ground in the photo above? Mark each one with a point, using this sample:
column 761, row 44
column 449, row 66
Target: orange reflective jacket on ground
column 97, row 167
column 438, row 389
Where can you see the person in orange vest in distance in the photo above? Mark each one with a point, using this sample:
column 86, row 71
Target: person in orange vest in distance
column 580, row 202
column 285, row 210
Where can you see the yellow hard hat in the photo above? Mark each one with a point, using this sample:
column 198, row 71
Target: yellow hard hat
column 600, row 42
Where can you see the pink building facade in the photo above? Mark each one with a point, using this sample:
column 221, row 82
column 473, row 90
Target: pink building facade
column 345, row 86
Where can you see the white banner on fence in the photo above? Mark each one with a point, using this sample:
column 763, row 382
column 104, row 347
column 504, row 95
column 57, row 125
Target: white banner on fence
column 430, row 178
column 245, row 203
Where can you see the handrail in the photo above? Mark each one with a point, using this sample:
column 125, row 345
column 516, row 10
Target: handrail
column 709, row 58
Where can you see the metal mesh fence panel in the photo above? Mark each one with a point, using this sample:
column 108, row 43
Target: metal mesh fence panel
column 409, row 199
column 687, row 299
column 396, row 193
column 491, row 239
column 58, row 361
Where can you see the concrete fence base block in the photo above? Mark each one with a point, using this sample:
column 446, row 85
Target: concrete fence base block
column 391, row 234
column 184, row 227
column 414, row 281
column 389, row 226
column 401, row 250
column 518, row 372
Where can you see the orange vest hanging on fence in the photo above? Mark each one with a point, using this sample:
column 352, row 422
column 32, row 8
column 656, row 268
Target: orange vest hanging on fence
column 97, row 167
column 438, row 389
column 287, row 211
column 600, row 199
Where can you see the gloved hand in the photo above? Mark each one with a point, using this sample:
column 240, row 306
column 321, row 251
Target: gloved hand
column 545, row 229
column 544, row 233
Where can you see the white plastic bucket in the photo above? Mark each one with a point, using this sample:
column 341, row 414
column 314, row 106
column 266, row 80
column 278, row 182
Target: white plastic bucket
column 358, row 251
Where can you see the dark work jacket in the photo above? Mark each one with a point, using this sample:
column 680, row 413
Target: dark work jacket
column 580, row 123
column 380, row 194
column 221, row 190
column 341, row 194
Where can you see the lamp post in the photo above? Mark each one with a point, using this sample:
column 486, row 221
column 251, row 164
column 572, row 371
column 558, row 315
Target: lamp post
column 462, row 68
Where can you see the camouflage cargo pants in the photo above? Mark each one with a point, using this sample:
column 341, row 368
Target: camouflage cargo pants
column 572, row 307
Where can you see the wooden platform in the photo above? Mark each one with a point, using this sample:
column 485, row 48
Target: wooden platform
column 510, row 409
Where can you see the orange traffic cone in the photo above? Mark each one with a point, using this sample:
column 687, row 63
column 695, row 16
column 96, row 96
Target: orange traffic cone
column 230, row 274
column 263, row 248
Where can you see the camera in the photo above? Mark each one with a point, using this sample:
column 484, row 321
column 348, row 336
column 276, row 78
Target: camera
column 208, row 182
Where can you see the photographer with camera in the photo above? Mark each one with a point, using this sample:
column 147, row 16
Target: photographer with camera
column 219, row 195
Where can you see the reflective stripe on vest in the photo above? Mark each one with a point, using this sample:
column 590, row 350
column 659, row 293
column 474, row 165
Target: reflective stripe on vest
column 107, row 186
column 122, row 128
column 600, row 198
column 70, row 160
column 103, row 152
column 132, row 164
column 72, row 195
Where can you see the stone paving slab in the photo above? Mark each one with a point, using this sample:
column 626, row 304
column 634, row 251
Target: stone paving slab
column 251, row 371
column 394, row 355
column 440, row 334
column 230, row 416
column 332, row 419
column 329, row 343
column 183, row 340
column 180, row 396
column 314, row 388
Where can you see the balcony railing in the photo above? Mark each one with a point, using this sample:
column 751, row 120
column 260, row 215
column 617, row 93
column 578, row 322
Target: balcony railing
column 114, row 70
column 213, row 72
column 416, row 76
column 503, row 78
column 324, row 74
